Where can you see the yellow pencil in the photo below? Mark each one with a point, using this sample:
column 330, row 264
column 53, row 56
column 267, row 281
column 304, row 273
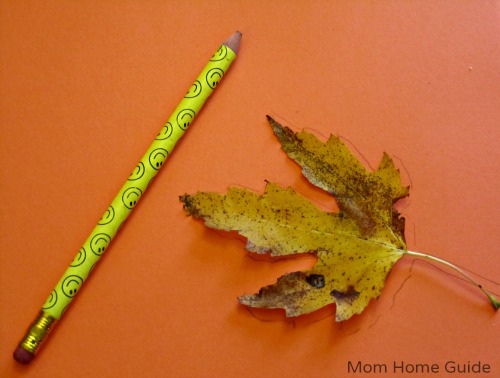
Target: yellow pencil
column 126, row 199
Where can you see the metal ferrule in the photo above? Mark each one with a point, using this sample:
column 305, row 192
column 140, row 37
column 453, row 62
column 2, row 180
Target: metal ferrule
column 37, row 332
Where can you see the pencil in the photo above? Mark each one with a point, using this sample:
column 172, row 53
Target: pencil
column 125, row 201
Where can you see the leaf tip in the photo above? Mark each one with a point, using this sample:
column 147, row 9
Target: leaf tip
column 275, row 125
column 186, row 200
column 495, row 302
column 247, row 300
column 286, row 136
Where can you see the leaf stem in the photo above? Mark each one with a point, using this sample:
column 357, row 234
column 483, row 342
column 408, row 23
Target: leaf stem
column 491, row 297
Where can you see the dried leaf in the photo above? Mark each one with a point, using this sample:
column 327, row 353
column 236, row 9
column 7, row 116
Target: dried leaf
column 355, row 247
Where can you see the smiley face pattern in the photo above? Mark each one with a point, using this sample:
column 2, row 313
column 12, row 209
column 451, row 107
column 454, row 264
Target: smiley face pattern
column 138, row 181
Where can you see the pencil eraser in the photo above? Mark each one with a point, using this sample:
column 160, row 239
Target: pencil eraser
column 23, row 356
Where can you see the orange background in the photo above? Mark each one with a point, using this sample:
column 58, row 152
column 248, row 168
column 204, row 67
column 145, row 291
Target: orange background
column 86, row 86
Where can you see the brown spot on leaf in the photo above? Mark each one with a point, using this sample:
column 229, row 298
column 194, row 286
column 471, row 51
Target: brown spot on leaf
column 316, row 280
column 348, row 296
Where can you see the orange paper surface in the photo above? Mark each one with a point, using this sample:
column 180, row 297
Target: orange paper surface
column 86, row 87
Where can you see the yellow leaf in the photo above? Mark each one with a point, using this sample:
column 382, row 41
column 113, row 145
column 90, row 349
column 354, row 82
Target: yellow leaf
column 367, row 197
column 355, row 248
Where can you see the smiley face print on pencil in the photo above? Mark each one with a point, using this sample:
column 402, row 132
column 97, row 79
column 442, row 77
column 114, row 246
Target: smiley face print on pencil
column 157, row 157
column 195, row 90
column 138, row 172
column 166, row 131
column 131, row 196
column 51, row 301
column 99, row 243
column 71, row 284
column 80, row 258
column 185, row 117
column 220, row 54
column 213, row 77
column 108, row 216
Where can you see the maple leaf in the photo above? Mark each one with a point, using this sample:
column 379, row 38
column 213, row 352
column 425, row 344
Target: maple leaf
column 355, row 247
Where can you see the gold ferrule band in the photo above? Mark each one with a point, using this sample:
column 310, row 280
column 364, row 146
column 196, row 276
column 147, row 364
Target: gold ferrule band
column 38, row 332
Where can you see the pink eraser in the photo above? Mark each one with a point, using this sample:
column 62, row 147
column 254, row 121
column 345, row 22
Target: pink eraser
column 23, row 356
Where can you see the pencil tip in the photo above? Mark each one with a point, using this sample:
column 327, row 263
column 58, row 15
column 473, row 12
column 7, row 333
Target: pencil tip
column 233, row 42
